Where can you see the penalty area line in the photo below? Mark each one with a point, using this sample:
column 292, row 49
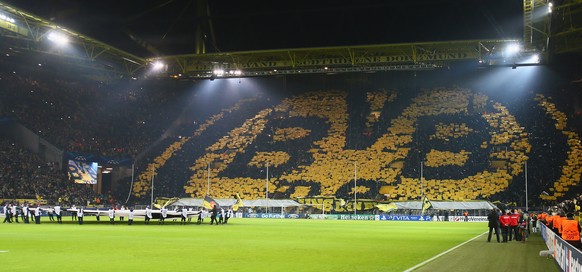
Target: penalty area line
column 443, row 253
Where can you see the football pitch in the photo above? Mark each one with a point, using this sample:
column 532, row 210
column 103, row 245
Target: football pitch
column 263, row 245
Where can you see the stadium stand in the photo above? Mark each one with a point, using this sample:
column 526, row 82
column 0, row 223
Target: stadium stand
column 471, row 145
column 25, row 176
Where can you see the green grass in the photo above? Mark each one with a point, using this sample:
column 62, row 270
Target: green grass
column 254, row 245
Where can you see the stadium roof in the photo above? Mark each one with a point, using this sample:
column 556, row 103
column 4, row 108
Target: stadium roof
column 203, row 39
column 447, row 205
column 225, row 202
column 168, row 27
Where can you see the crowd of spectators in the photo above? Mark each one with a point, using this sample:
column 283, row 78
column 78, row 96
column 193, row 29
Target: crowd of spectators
column 24, row 175
column 326, row 166
column 572, row 168
column 117, row 120
column 303, row 141
column 468, row 144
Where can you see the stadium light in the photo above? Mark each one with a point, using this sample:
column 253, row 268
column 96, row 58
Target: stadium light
column 535, row 58
column 3, row 17
column 512, row 49
column 218, row 72
column 58, row 38
column 550, row 6
column 157, row 65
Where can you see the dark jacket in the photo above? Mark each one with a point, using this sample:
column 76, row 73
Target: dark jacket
column 493, row 218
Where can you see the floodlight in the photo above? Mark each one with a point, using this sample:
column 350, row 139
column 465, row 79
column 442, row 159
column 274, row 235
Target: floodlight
column 158, row 65
column 218, row 72
column 550, row 6
column 58, row 38
column 535, row 58
column 3, row 17
column 512, row 49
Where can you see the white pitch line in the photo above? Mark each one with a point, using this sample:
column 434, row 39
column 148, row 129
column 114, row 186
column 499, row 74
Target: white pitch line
column 443, row 253
column 3, row 251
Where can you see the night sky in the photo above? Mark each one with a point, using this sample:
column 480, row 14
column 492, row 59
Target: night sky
column 169, row 25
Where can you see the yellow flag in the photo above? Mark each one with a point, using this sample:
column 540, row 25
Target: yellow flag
column 426, row 205
column 386, row 207
column 238, row 203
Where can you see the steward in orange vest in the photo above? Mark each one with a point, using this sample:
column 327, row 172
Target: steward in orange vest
column 571, row 231
column 557, row 224
column 549, row 220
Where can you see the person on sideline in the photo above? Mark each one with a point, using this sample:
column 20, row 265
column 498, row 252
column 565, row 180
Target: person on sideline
column 504, row 222
column 513, row 223
column 493, row 219
column 121, row 217
column 73, row 213
column 163, row 215
column 213, row 215
column 80, row 215
column 25, row 213
column 199, row 221
column 49, row 212
column 6, row 212
column 148, row 215
column 14, row 212
column 130, row 217
column 111, row 216
column 534, row 223
column 58, row 213
column 184, row 215
column 37, row 214
column 571, row 231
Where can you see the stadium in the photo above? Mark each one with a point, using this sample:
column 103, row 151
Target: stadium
column 327, row 136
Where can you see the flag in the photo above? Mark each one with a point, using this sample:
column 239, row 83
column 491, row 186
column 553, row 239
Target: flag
column 238, row 203
column 209, row 203
column 426, row 205
column 387, row 207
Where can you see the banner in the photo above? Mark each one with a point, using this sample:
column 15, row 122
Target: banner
column 470, row 218
column 338, row 205
column 403, row 217
column 272, row 215
column 357, row 217
column 24, row 200
column 568, row 258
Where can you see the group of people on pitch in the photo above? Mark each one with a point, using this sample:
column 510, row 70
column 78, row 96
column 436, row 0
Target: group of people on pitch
column 217, row 215
column 516, row 225
column 12, row 211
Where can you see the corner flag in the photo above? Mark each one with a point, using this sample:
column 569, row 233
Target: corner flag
column 209, row 203
column 238, row 203
column 426, row 205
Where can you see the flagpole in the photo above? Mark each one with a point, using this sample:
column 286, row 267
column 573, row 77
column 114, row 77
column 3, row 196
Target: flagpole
column 267, row 188
column 132, row 178
column 421, row 183
column 355, row 188
column 208, row 181
column 153, row 174
column 526, row 206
